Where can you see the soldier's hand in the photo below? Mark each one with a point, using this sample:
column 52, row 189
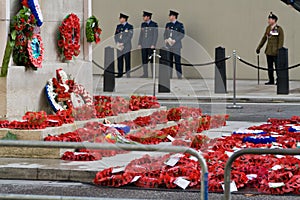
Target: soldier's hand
column 152, row 47
column 139, row 46
column 258, row 51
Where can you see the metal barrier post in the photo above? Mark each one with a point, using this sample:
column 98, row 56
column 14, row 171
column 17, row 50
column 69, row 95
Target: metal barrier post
column 257, row 151
column 220, row 72
column 258, row 71
column 127, row 147
column 282, row 75
column 109, row 65
column 164, row 72
column 154, row 71
column 234, row 106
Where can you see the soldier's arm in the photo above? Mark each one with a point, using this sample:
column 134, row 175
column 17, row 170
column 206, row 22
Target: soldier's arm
column 180, row 34
column 140, row 38
column 263, row 40
column 166, row 33
column 281, row 38
column 116, row 35
column 155, row 35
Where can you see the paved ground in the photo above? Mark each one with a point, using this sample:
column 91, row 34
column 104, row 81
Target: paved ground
column 200, row 89
column 254, row 112
column 79, row 189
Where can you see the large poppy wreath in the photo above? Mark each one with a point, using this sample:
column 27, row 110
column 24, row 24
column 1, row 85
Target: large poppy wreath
column 63, row 93
column 36, row 51
column 69, row 37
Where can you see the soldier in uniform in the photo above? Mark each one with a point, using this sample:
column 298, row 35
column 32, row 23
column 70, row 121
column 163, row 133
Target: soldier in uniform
column 147, row 40
column 275, row 37
column 173, row 35
column 123, row 36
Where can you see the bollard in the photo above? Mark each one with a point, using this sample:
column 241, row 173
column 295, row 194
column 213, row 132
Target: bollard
column 220, row 71
column 283, row 75
column 109, row 65
column 164, row 72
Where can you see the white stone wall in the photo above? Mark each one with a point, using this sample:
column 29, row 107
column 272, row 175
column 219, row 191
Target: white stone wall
column 23, row 90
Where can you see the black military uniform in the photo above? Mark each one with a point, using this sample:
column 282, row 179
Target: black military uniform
column 173, row 35
column 147, row 40
column 123, row 36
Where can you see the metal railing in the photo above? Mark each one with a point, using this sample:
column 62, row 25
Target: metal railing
column 257, row 151
column 126, row 147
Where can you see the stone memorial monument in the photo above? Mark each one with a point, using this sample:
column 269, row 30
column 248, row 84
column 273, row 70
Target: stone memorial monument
column 22, row 89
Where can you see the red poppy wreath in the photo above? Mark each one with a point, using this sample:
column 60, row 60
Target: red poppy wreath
column 69, row 37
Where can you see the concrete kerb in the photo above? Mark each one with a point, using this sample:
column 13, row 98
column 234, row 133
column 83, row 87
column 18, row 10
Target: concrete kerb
column 46, row 197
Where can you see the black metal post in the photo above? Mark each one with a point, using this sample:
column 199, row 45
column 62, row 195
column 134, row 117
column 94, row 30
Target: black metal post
column 220, row 71
column 283, row 72
column 109, row 65
column 164, row 72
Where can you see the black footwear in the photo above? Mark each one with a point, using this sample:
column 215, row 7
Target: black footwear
column 269, row 83
column 144, row 76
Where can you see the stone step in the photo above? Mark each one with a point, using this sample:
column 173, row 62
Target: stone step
column 60, row 170
column 14, row 152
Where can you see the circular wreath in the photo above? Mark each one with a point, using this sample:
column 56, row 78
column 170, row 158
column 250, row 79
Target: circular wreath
column 21, row 32
column 36, row 51
column 35, row 9
column 69, row 37
column 63, row 93
column 93, row 31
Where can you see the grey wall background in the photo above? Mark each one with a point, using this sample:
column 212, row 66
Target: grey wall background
column 233, row 24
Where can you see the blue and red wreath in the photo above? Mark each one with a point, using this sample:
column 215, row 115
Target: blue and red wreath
column 36, row 51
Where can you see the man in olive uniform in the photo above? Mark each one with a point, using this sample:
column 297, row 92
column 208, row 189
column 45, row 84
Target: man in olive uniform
column 123, row 36
column 173, row 35
column 147, row 39
column 275, row 37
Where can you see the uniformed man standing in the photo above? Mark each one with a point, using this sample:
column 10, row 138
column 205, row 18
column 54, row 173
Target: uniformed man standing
column 147, row 40
column 173, row 35
column 123, row 36
column 275, row 37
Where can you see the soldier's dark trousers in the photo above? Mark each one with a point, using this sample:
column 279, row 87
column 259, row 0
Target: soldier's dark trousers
column 175, row 54
column 121, row 57
column 146, row 53
column 271, row 60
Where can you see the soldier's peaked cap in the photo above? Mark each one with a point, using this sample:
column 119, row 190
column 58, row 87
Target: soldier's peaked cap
column 173, row 13
column 124, row 16
column 145, row 13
